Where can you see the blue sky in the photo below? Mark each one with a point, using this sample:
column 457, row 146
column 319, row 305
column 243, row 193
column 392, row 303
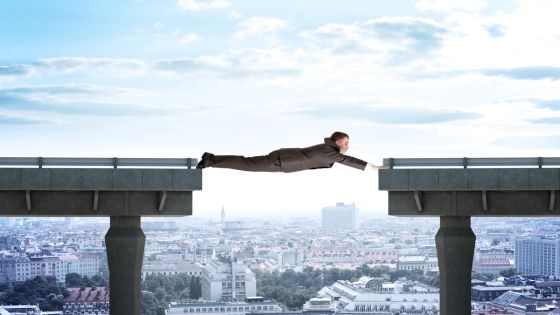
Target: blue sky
column 426, row 78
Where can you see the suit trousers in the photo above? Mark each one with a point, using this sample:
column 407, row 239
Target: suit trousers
column 261, row 163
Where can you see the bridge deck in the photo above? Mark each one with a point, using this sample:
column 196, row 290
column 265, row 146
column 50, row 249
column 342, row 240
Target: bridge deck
column 420, row 187
column 89, row 187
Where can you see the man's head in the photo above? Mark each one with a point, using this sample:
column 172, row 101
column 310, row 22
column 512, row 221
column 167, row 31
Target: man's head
column 341, row 139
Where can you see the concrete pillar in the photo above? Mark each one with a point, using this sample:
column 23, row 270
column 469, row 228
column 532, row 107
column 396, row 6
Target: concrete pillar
column 125, row 250
column 455, row 248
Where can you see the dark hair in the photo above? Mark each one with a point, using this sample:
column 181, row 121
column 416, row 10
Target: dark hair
column 338, row 135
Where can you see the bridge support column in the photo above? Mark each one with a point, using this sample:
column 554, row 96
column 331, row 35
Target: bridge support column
column 125, row 250
column 455, row 248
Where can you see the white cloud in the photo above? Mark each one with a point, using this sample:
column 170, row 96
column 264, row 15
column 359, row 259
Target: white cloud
column 527, row 36
column 98, row 66
column 189, row 39
column 235, row 15
column 258, row 26
column 396, row 42
column 450, row 5
column 193, row 5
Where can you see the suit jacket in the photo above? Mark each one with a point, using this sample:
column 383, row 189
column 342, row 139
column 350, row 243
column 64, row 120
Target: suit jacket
column 322, row 155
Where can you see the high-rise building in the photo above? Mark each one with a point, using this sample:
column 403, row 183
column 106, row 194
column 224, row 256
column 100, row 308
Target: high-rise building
column 537, row 256
column 340, row 217
column 224, row 280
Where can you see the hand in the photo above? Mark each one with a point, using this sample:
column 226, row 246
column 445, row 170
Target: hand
column 379, row 167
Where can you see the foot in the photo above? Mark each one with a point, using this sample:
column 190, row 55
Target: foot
column 205, row 160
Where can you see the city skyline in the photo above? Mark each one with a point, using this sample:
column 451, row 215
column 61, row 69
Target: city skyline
column 139, row 78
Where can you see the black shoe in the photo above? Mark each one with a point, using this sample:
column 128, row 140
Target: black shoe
column 205, row 160
column 200, row 165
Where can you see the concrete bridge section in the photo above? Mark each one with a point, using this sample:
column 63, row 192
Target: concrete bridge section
column 457, row 189
column 122, row 189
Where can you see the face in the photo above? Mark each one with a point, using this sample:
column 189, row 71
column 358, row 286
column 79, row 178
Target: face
column 343, row 145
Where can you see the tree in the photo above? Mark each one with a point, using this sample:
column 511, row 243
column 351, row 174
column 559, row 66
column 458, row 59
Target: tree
column 482, row 276
column 45, row 291
column 151, row 305
column 508, row 273
column 73, row 280
column 195, row 288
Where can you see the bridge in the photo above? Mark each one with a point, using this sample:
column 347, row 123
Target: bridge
column 124, row 189
column 127, row 189
column 457, row 189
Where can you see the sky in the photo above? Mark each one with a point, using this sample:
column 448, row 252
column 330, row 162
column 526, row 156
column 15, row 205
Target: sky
column 142, row 78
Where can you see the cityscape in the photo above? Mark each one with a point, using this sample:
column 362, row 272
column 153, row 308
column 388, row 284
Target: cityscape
column 294, row 157
column 336, row 262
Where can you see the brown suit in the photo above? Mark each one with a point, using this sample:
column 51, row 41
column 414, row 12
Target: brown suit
column 290, row 160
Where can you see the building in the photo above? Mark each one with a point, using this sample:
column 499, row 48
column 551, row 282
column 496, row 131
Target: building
column 226, row 280
column 423, row 263
column 484, row 293
column 188, row 268
column 493, row 260
column 493, row 253
column 20, row 310
column 320, row 305
column 483, row 309
column 234, row 226
column 21, row 268
column 86, row 300
column 492, row 266
column 251, row 305
column 340, row 217
column 537, row 256
column 375, row 296
column 289, row 257
column 526, row 303
column 9, row 243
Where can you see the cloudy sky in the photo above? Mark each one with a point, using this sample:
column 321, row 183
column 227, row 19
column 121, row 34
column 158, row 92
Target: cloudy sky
column 427, row 78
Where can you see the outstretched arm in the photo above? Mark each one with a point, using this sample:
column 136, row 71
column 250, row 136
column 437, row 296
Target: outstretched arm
column 347, row 160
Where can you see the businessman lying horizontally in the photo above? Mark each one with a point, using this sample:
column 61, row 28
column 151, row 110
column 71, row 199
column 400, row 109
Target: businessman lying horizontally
column 289, row 160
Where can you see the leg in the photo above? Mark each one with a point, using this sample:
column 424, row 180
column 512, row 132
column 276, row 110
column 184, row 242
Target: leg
column 125, row 250
column 262, row 163
column 455, row 248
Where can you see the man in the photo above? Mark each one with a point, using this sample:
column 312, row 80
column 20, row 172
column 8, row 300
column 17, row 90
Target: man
column 290, row 160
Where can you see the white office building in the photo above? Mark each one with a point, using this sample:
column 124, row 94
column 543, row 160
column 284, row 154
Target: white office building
column 18, row 269
column 423, row 263
column 340, row 217
column 537, row 256
column 186, row 267
column 227, row 281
